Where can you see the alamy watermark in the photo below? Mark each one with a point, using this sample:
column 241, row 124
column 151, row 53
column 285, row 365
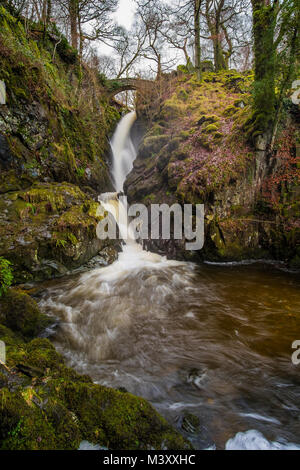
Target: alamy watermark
column 2, row 352
column 184, row 222
column 2, row 92
column 296, row 95
column 296, row 354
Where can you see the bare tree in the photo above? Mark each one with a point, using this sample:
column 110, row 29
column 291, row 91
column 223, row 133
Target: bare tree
column 187, row 17
column 88, row 20
column 130, row 47
column 222, row 20
column 154, row 18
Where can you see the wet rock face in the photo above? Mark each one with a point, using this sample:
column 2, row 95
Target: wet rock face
column 5, row 154
column 34, row 148
column 194, row 152
column 48, row 229
column 27, row 121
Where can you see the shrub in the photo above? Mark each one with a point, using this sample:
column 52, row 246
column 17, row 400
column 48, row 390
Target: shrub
column 6, row 276
column 212, row 119
column 218, row 135
column 229, row 111
column 210, row 129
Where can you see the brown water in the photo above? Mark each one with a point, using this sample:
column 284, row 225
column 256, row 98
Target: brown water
column 214, row 341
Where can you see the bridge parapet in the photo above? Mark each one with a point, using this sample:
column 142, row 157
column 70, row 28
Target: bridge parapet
column 116, row 86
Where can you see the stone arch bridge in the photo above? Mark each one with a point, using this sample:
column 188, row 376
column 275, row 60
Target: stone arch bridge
column 118, row 85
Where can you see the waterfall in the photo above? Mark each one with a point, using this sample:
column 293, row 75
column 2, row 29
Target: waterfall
column 123, row 150
column 124, row 154
column 133, row 256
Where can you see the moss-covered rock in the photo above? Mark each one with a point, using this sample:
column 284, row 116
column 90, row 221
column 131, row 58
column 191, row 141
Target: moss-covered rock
column 46, row 405
column 230, row 110
column 58, row 114
column 19, row 312
column 152, row 145
column 210, row 160
column 210, row 129
column 117, row 419
column 47, row 229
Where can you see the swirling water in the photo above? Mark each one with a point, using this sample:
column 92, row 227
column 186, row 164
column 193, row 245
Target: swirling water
column 214, row 341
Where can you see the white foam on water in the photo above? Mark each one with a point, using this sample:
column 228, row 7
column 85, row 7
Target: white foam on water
column 86, row 445
column 259, row 417
column 255, row 440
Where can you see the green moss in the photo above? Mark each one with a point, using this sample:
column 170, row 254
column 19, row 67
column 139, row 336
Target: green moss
column 212, row 119
column 20, row 313
column 153, row 144
column 50, row 226
column 183, row 95
column 235, row 239
column 74, row 125
column 218, row 135
column 203, row 140
column 59, row 408
column 6, row 275
column 172, row 109
column 11, row 339
column 58, row 196
column 230, row 110
column 184, row 135
column 118, row 420
column 211, row 128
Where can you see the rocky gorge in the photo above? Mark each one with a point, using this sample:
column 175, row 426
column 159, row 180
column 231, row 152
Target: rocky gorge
column 194, row 145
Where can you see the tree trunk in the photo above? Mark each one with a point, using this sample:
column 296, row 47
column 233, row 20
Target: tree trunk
column 159, row 69
column 73, row 14
column 264, row 21
column 49, row 11
column 219, row 60
column 215, row 26
column 47, row 17
column 197, row 4
column 229, row 52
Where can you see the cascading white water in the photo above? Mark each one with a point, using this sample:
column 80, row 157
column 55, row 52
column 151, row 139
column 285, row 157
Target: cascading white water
column 123, row 150
column 124, row 154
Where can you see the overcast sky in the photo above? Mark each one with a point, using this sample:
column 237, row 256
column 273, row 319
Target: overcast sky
column 124, row 16
column 125, row 12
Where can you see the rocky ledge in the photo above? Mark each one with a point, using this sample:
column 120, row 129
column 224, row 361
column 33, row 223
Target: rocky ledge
column 47, row 229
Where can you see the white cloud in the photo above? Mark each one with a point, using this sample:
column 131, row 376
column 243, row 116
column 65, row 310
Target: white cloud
column 125, row 13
